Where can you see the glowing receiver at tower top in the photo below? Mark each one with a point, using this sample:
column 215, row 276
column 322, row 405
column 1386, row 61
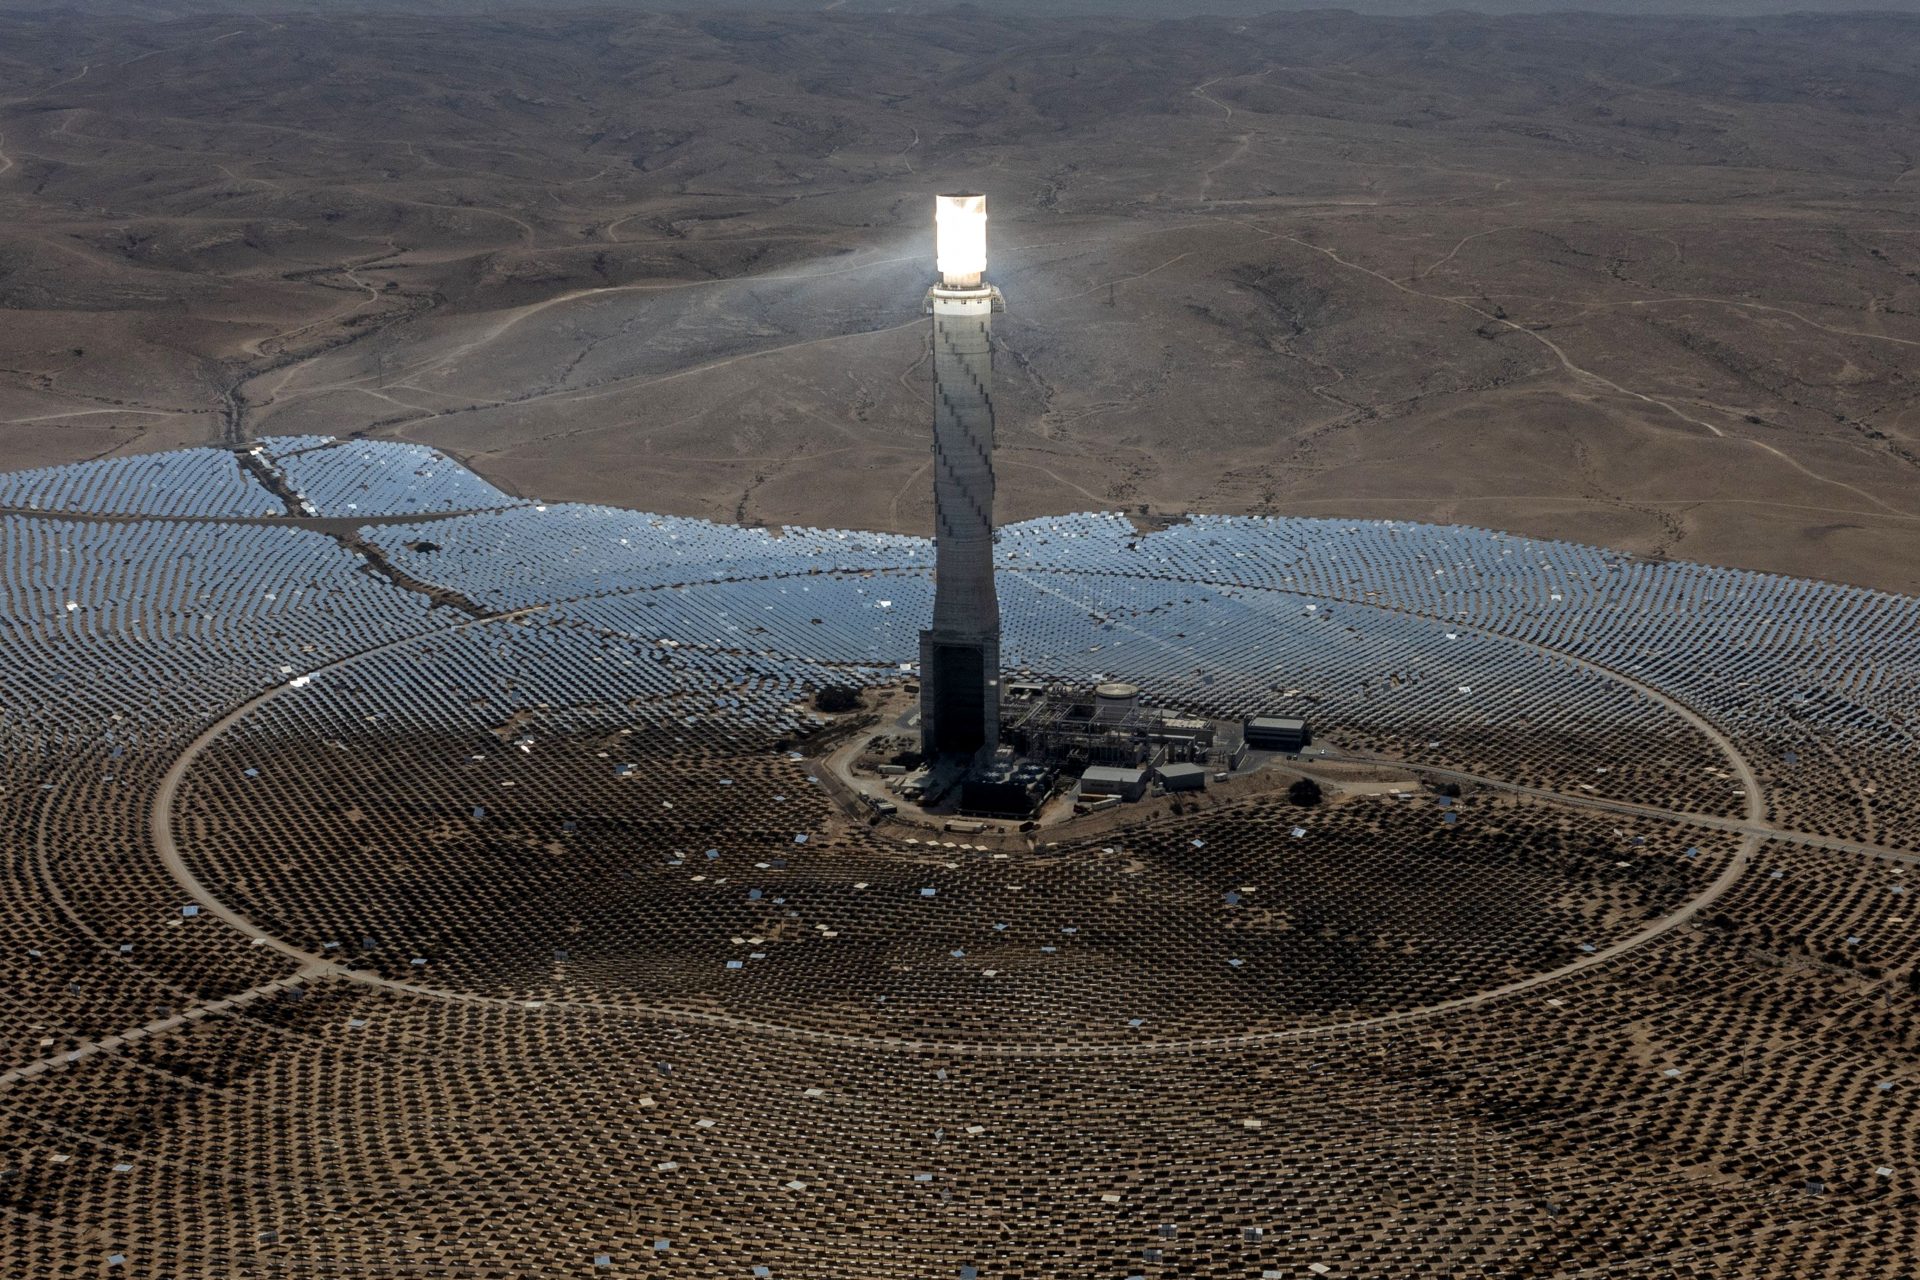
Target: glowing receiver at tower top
column 960, row 652
column 960, row 240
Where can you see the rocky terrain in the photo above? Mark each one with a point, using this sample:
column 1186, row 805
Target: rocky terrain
column 1644, row 282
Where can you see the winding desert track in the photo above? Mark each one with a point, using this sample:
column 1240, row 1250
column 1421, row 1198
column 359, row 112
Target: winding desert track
column 1628, row 809
column 161, row 812
column 1200, row 91
column 1753, row 828
column 1589, row 376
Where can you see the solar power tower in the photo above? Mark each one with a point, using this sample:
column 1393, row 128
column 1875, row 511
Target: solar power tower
column 960, row 653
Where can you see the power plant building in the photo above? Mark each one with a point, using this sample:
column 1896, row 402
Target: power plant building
column 1182, row 776
column 1108, row 780
column 1277, row 733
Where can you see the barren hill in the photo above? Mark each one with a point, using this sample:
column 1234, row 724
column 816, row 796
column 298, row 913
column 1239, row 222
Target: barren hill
column 1644, row 282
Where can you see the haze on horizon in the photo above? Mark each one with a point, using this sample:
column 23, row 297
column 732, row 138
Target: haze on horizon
column 1172, row 10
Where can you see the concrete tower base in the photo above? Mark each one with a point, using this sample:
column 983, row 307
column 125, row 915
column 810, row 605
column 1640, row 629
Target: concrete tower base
column 959, row 694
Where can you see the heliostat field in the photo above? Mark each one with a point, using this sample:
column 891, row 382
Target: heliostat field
column 404, row 877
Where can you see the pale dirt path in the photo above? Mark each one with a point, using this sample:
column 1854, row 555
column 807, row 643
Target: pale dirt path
column 527, row 312
column 337, row 316
column 1628, row 809
column 526, row 230
column 196, row 1007
column 89, row 413
column 161, row 813
column 388, row 381
column 72, row 79
column 1200, row 91
column 624, row 386
column 1056, row 477
column 1566, row 361
column 1241, row 141
column 1116, row 281
column 1585, row 307
column 1428, row 270
column 231, row 176
column 158, row 1027
column 906, row 486
column 317, row 524
column 399, row 378
column 1589, row 376
column 1764, row 306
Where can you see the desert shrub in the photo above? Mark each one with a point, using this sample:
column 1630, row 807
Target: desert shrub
column 835, row 698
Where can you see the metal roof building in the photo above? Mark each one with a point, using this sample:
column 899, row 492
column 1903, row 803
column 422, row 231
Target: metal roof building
column 1105, row 780
column 1183, row 777
column 1277, row 733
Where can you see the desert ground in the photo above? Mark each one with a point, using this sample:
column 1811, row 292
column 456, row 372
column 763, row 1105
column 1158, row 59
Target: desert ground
column 1646, row 283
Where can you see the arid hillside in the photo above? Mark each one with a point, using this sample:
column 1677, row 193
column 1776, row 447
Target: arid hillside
column 1650, row 283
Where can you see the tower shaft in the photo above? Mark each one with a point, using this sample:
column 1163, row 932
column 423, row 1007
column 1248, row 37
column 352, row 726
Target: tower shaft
column 960, row 653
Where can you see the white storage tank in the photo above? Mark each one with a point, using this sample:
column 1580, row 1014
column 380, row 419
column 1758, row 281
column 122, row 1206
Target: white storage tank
column 1114, row 701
